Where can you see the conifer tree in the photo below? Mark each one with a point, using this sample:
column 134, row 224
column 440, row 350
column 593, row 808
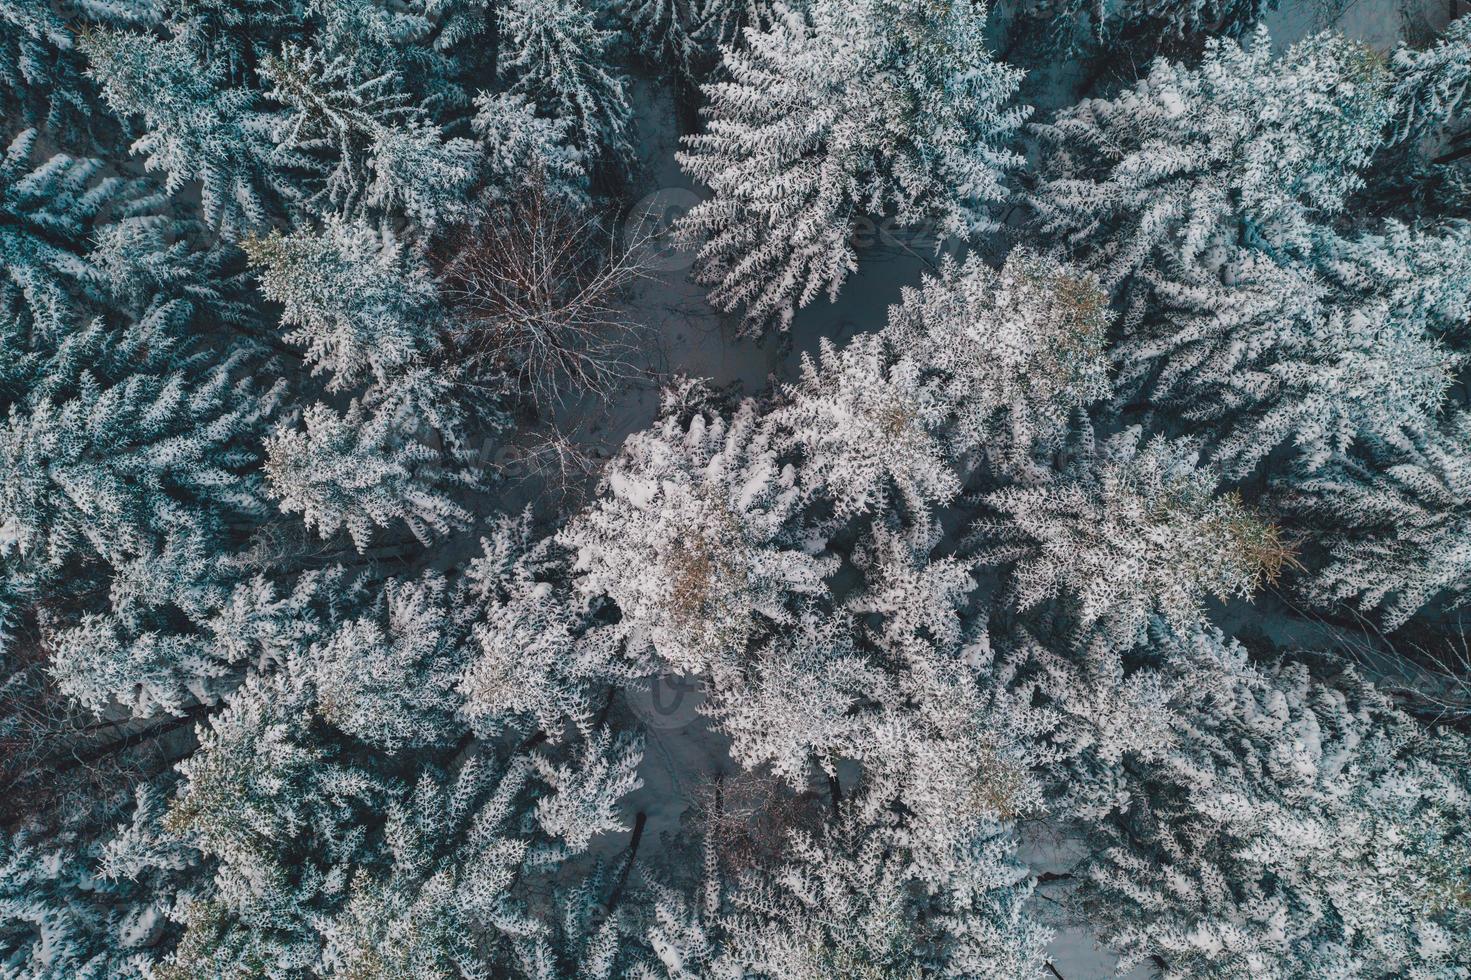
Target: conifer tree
column 666, row 31
column 527, row 152
column 197, row 129
column 689, row 35
column 846, row 109
column 1269, row 357
column 1394, row 520
column 844, row 904
column 359, row 302
column 328, row 858
column 1245, row 149
column 1431, row 85
column 1082, row 24
column 537, row 661
column 585, row 791
column 1134, row 531
column 695, row 541
column 1114, row 704
column 88, row 906
column 913, row 874
column 1424, row 274
column 112, row 471
column 382, row 157
column 283, row 814
column 40, row 73
column 388, row 679
column 235, row 37
column 578, row 937
column 1292, row 825
column 802, row 707
column 139, row 489
column 48, row 209
column 1016, row 351
column 722, row 24
column 558, row 56
column 868, row 428
column 358, row 472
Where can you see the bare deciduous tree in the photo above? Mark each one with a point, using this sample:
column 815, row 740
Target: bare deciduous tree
column 748, row 816
column 537, row 289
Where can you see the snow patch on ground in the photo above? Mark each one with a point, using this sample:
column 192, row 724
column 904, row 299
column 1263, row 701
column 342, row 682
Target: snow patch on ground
column 1381, row 24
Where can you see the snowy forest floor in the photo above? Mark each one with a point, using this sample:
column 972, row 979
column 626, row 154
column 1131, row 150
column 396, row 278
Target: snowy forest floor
column 681, row 334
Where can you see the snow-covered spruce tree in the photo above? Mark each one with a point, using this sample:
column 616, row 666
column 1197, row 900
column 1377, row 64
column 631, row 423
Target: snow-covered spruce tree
column 973, row 359
column 331, row 857
column 134, row 427
column 1288, row 828
column 1431, row 85
column 696, row 541
column 845, row 903
column 47, row 209
column 1016, row 351
column 525, row 152
column 165, row 271
column 535, row 666
column 375, row 153
column 323, row 107
column 1134, row 529
column 441, row 51
column 1395, row 519
column 135, row 488
column 556, row 54
column 913, row 875
column 360, row 303
column 909, row 595
column 368, row 315
column 1238, row 819
column 363, row 306
column 1419, row 174
column 234, row 37
column 1114, row 704
column 241, row 611
column 1246, row 148
column 723, row 23
column 883, row 108
column 358, row 471
column 90, row 905
column 196, row 129
column 389, row 678
column 1116, row 25
column 956, row 755
column 581, row 936
column 1424, row 274
column 690, row 35
column 284, row 814
column 867, row 426
column 1261, row 355
column 41, row 80
column 800, row 707
column 666, row 31
column 904, row 692
column 587, row 787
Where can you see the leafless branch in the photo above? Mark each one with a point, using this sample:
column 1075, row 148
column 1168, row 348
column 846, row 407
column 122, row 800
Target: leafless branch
column 538, row 290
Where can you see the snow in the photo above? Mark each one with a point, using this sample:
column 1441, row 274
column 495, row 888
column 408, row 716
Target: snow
column 141, row 928
column 1076, row 955
column 1381, row 24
